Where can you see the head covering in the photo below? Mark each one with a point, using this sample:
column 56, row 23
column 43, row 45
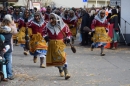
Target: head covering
column 98, row 17
column 8, row 17
column 40, row 23
column 59, row 24
column 74, row 17
column 63, row 14
column 2, row 38
column 23, row 16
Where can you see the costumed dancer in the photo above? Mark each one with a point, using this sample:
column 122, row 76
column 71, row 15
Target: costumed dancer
column 114, row 29
column 23, row 24
column 79, row 16
column 48, row 11
column 56, row 55
column 16, row 17
column 73, row 24
column 99, row 28
column 38, row 46
column 64, row 16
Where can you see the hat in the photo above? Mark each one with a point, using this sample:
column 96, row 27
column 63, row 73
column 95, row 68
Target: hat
column 2, row 37
column 8, row 17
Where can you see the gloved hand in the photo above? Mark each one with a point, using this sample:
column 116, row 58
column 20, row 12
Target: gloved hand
column 68, row 40
column 47, row 38
column 93, row 32
column 116, row 30
column 71, row 27
column 106, row 30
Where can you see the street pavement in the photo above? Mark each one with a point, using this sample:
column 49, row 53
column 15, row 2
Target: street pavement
column 87, row 68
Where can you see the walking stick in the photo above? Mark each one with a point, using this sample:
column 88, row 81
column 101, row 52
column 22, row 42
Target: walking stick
column 26, row 35
column 72, row 47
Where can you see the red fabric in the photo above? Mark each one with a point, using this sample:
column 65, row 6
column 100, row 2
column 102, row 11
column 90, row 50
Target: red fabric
column 37, row 29
column 21, row 23
column 110, row 33
column 96, row 23
column 65, row 20
column 73, row 22
column 46, row 17
column 60, row 36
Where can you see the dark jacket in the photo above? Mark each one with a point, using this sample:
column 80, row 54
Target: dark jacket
column 8, row 36
column 114, row 20
column 85, row 21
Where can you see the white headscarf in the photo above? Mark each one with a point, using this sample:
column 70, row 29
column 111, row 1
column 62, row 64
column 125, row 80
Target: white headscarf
column 74, row 17
column 59, row 25
column 98, row 17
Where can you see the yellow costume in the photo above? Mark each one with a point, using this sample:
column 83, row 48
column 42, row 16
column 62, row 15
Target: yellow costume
column 21, row 35
column 56, row 55
column 37, row 42
column 73, row 30
column 100, row 35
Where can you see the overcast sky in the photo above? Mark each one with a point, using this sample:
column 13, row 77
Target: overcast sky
column 69, row 3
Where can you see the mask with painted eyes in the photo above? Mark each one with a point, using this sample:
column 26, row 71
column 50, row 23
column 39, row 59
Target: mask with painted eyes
column 102, row 14
column 37, row 18
column 52, row 20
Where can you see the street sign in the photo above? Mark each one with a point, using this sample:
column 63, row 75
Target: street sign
column 115, row 2
column 85, row 0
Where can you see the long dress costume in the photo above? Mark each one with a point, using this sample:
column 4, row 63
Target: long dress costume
column 56, row 55
column 73, row 22
column 37, row 43
column 100, row 37
column 22, row 28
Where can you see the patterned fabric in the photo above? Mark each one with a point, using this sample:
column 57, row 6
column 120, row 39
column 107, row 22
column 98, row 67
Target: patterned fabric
column 37, row 43
column 55, row 54
column 21, row 35
column 100, row 35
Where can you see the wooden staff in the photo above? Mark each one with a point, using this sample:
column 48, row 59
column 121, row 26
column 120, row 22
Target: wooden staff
column 72, row 47
column 26, row 35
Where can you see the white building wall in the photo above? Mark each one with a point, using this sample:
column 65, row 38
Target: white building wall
column 125, row 14
column 78, row 3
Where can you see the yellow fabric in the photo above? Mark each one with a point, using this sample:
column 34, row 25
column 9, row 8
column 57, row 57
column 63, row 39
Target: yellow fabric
column 21, row 35
column 37, row 42
column 73, row 30
column 55, row 54
column 100, row 35
column 79, row 22
column 113, row 16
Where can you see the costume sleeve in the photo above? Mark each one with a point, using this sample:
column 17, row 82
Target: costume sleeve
column 93, row 25
column 67, row 31
column 75, row 23
column 19, row 24
column 45, row 32
column 30, row 24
